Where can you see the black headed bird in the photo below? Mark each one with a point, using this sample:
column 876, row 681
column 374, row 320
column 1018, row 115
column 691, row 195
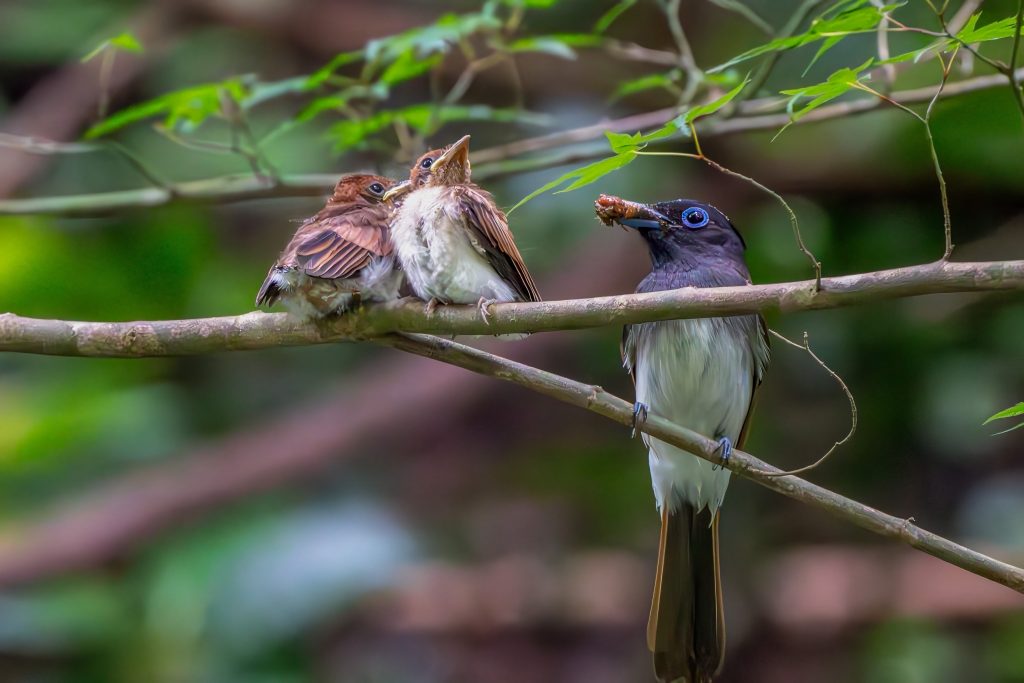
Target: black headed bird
column 451, row 238
column 701, row 374
column 340, row 256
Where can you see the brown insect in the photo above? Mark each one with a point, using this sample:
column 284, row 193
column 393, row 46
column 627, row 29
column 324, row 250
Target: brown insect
column 611, row 209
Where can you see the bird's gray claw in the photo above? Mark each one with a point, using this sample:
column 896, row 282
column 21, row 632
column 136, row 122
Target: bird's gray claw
column 640, row 411
column 431, row 306
column 482, row 306
column 725, row 448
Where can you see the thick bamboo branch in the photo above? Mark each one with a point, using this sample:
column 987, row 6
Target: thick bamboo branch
column 490, row 163
column 597, row 400
column 266, row 330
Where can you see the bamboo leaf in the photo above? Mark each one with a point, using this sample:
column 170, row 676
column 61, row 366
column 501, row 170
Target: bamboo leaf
column 125, row 42
column 842, row 20
column 1012, row 411
column 581, row 177
column 687, row 118
column 649, row 82
column 546, row 44
column 189, row 106
column 609, row 17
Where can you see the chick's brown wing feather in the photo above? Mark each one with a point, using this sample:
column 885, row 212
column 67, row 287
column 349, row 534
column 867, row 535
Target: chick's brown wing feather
column 339, row 241
column 489, row 228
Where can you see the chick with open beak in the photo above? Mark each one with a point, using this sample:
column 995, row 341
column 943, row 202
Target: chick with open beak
column 452, row 240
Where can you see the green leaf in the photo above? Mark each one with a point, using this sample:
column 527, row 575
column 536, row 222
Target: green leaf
column 997, row 30
column 837, row 84
column 1012, row 411
column 259, row 92
column 352, row 133
column 843, row 19
column 124, row 42
column 581, row 177
column 318, row 77
column 547, row 44
column 650, row 82
column 1016, row 426
column 322, row 104
column 408, row 66
column 609, row 17
column 540, row 4
column 623, row 142
column 187, row 107
column 687, row 118
column 435, row 38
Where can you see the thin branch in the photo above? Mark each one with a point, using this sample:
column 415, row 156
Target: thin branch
column 806, row 346
column 597, row 400
column 765, row 70
column 266, row 330
column 638, row 53
column 882, row 47
column 713, row 127
column 1013, row 74
column 489, row 163
column 933, row 152
column 694, row 75
column 794, row 222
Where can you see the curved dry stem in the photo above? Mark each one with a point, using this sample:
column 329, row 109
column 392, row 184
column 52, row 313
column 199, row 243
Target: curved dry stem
column 947, row 66
column 815, row 263
column 806, row 346
column 793, row 220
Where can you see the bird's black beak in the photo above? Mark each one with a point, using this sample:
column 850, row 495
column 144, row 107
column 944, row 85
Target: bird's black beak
column 615, row 210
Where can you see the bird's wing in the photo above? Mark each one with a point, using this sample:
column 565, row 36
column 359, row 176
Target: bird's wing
column 488, row 227
column 627, row 349
column 761, row 346
column 337, row 243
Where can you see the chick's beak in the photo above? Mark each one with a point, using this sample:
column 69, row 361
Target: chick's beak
column 397, row 191
column 458, row 152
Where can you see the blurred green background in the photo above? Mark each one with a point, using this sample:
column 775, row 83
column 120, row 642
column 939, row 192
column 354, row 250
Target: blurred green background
column 346, row 513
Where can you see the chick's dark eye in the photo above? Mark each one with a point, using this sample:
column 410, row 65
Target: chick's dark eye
column 377, row 188
column 426, row 163
column 695, row 217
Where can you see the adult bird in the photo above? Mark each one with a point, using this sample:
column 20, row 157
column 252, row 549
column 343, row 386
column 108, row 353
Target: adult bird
column 451, row 238
column 339, row 257
column 702, row 374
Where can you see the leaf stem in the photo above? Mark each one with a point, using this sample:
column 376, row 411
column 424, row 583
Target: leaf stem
column 846, row 391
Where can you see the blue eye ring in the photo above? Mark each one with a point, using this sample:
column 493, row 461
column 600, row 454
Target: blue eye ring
column 695, row 217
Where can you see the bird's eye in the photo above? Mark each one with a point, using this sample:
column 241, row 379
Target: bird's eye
column 426, row 163
column 695, row 217
column 377, row 188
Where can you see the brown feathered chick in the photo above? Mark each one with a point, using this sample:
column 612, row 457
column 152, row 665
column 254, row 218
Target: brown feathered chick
column 340, row 256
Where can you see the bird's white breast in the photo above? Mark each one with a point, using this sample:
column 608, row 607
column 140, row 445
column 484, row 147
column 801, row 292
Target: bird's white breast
column 699, row 374
column 435, row 250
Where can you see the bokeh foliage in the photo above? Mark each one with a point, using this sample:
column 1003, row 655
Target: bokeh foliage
column 276, row 588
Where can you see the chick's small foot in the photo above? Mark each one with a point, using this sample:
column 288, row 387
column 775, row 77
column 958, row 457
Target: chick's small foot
column 640, row 411
column 483, row 306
